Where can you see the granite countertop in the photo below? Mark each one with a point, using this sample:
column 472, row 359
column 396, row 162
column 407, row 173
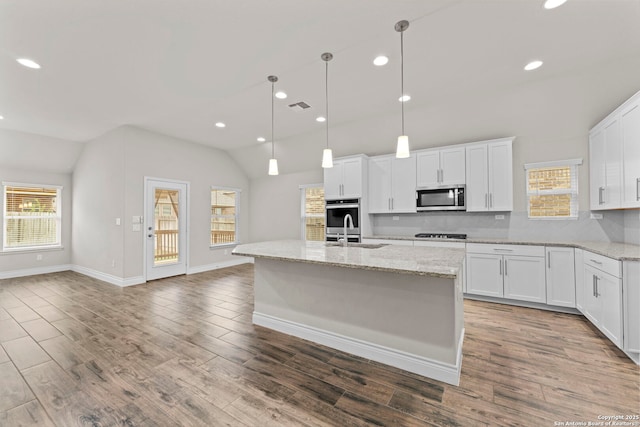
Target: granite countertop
column 422, row 261
column 618, row 251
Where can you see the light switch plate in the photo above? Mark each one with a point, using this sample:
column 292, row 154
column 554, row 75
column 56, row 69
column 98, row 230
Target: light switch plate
column 117, row 221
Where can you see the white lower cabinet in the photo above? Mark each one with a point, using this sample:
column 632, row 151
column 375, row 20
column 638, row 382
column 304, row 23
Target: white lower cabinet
column 561, row 281
column 579, row 283
column 603, row 295
column 631, row 306
column 506, row 271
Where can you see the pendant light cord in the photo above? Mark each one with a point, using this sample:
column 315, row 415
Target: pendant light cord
column 272, row 142
column 402, row 77
column 326, row 93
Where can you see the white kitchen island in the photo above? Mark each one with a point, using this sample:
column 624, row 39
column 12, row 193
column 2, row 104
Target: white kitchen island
column 398, row 305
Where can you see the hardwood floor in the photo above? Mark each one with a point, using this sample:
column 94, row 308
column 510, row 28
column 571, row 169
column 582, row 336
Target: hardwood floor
column 183, row 351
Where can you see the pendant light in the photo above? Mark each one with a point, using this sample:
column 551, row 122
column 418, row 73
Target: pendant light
column 327, row 154
column 273, row 162
column 402, row 149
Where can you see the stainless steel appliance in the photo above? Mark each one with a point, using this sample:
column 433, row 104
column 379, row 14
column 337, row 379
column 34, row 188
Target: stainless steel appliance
column 336, row 211
column 441, row 199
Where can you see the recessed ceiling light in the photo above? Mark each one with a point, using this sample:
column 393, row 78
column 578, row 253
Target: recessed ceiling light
column 261, row 139
column 380, row 60
column 552, row 4
column 281, row 95
column 321, row 119
column 28, row 63
column 220, row 125
column 404, row 98
column 533, row 65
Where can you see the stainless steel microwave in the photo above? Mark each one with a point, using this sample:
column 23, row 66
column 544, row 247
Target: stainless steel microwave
column 441, row 199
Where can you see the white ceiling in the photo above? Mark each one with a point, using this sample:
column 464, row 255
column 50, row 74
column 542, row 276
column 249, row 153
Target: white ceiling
column 177, row 67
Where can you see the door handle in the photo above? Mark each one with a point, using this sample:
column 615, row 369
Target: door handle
column 501, row 267
column 505, row 267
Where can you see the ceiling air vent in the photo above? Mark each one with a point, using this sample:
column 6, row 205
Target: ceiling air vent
column 299, row 106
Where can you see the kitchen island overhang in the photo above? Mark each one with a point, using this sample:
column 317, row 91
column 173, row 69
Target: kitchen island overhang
column 396, row 305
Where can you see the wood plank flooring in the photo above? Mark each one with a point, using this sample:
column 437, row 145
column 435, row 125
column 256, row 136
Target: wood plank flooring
column 183, row 352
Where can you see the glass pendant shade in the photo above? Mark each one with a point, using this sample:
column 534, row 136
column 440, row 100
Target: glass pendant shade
column 327, row 158
column 402, row 149
column 273, row 166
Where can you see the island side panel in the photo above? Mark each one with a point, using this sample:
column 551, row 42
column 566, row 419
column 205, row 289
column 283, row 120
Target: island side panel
column 416, row 315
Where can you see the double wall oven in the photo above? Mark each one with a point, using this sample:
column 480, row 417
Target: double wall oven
column 336, row 210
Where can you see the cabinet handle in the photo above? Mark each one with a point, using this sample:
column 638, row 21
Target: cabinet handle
column 392, row 204
column 595, row 262
column 490, row 200
column 486, row 198
column 505, row 267
column 502, row 250
column 637, row 189
column 600, row 195
column 501, row 267
column 549, row 261
column 596, row 283
column 593, row 285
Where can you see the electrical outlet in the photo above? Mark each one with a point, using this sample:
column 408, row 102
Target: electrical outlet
column 499, row 216
column 117, row 221
column 39, row 257
column 113, row 263
column 596, row 216
column 396, row 218
column 226, row 251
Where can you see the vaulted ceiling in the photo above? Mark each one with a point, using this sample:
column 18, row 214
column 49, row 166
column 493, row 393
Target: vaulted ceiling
column 178, row 67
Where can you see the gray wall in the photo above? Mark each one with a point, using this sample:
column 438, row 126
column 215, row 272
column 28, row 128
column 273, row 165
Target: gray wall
column 109, row 184
column 275, row 204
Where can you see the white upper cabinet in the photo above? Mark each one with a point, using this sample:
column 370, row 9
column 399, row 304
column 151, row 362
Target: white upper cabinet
column 440, row 168
column 489, row 176
column 392, row 184
column 614, row 159
column 345, row 180
column 630, row 124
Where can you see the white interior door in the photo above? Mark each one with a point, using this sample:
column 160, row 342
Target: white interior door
column 165, row 228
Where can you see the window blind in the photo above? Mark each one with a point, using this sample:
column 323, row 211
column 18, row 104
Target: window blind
column 32, row 216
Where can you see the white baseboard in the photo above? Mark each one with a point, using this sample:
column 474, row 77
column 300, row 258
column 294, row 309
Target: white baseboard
column 34, row 271
column 109, row 278
column 444, row 372
column 218, row 265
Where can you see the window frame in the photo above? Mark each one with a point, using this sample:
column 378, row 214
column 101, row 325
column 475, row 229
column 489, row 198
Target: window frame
column 303, row 210
column 574, row 208
column 58, row 217
column 236, row 216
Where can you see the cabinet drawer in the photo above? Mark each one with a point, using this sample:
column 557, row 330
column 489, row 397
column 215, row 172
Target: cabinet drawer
column 518, row 250
column 603, row 263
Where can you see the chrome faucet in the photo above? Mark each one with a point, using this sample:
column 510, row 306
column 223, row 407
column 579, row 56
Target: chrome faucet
column 347, row 220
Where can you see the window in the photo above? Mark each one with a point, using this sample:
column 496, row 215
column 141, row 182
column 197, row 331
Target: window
column 224, row 216
column 32, row 216
column 312, row 208
column 552, row 189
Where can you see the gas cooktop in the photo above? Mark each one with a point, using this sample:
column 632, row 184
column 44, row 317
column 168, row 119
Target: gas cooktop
column 442, row 235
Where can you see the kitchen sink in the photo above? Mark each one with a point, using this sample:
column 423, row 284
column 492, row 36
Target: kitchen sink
column 357, row 245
